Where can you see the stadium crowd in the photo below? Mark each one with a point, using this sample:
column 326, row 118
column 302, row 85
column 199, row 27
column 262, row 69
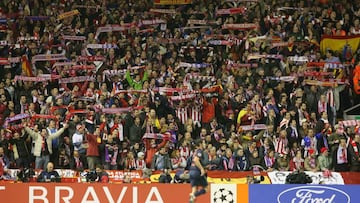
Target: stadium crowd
column 131, row 85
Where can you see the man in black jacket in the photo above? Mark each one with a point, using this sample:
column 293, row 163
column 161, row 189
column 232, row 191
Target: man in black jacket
column 353, row 149
column 22, row 157
column 341, row 156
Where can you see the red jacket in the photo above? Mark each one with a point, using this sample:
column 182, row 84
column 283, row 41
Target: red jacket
column 208, row 110
column 150, row 151
column 93, row 149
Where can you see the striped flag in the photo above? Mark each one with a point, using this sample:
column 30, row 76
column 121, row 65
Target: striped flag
column 26, row 67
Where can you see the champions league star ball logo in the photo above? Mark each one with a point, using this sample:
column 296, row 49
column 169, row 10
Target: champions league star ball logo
column 223, row 195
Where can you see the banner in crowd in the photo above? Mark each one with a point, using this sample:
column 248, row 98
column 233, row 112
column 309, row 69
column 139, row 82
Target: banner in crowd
column 279, row 177
column 304, row 193
column 172, row 2
column 163, row 193
column 337, row 43
column 97, row 192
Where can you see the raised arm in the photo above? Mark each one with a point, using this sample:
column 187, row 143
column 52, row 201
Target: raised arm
column 129, row 79
column 59, row 132
column 32, row 133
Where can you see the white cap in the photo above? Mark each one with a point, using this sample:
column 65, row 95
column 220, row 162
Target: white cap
column 139, row 154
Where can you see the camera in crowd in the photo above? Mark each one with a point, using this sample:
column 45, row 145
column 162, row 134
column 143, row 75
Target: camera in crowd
column 298, row 177
column 25, row 174
column 91, row 176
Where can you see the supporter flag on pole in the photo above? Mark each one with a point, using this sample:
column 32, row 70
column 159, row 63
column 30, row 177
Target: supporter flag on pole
column 26, row 66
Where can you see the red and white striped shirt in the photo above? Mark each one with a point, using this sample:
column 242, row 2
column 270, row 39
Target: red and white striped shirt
column 140, row 164
column 130, row 164
column 185, row 151
column 195, row 114
column 182, row 114
column 281, row 145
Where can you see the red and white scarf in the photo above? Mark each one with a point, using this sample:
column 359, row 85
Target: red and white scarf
column 90, row 58
column 330, row 98
column 73, row 37
column 322, row 107
column 163, row 11
column 151, row 22
column 230, row 11
column 48, row 57
column 245, row 26
column 354, row 146
column 8, row 61
column 29, row 79
column 64, row 64
column 76, row 79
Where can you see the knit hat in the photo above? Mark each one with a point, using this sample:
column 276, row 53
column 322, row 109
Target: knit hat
column 311, row 151
column 139, row 154
column 324, row 149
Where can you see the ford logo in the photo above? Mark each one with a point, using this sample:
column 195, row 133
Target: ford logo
column 313, row 194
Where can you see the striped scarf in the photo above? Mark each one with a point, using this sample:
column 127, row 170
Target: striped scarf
column 354, row 146
column 227, row 11
column 269, row 161
column 228, row 163
column 114, row 157
column 330, row 97
column 322, row 107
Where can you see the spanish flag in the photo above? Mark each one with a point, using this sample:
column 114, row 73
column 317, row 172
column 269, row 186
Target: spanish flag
column 26, row 66
column 337, row 43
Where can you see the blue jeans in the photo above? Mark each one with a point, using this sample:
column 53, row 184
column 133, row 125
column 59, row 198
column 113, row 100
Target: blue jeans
column 42, row 161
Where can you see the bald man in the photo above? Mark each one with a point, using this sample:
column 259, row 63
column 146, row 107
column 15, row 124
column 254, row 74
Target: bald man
column 49, row 175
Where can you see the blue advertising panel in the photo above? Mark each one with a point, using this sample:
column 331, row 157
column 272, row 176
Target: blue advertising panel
column 293, row 193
